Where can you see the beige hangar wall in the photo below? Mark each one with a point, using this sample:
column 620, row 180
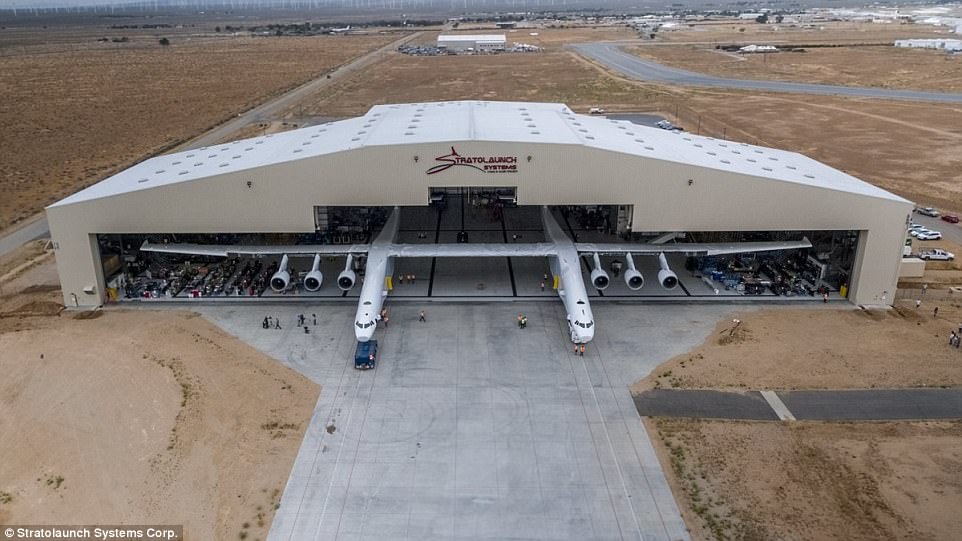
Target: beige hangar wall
column 281, row 198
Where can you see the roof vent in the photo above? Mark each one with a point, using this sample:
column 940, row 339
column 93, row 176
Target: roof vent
column 792, row 167
column 726, row 162
column 305, row 143
column 758, row 151
column 225, row 148
column 176, row 163
column 710, row 153
column 535, row 132
column 639, row 140
column 198, row 164
column 766, row 168
column 182, row 173
column 248, row 149
column 409, row 133
column 622, row 128
column 532, row 126
column 235, row 157
column 809, row 176
column 589, row 137
column 687, row 138
column 722, row 145
column 736, row 152
column 355, row 138
column 258, row 142
column 649, row 148
column 315, row 136
column 773, row 158
column 159, row 171
column 751, row 160
column 142, row 180
column 190, row 155
column 583, row 130
column 223, row 165
column 629, row 133
column 212, row 156
column 698, row 145
column 296, row 150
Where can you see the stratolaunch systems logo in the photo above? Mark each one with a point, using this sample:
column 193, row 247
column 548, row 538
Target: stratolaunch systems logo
column 485, row 164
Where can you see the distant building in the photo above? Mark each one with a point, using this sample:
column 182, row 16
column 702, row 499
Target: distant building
column 750, row 49
column 506, row 24
column 472, row 42
column 951, row 45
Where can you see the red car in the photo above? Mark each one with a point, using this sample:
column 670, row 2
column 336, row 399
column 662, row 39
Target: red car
column 951, row 218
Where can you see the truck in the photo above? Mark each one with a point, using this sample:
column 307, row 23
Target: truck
column 365, row 356
column 936, row 255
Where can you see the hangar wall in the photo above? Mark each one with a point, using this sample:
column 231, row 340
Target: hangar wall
column 281, row 198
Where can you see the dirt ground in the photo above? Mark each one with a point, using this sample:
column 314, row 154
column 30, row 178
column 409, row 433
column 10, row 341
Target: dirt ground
column 908, row 148
column 807, row 348
column 75, row 112
column 920, row 69
column 839, row 32
column 137, row 417
column 807, row 480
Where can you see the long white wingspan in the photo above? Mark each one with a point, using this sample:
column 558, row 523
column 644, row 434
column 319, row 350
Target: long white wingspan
column 691, row 248
column 225, row 250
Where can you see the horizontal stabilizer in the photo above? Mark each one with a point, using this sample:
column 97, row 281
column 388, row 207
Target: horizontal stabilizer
column 691, row 248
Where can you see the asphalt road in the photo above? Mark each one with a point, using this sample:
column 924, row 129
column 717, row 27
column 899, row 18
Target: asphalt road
column 849, row 405
column 632, row 66
column 38, row 227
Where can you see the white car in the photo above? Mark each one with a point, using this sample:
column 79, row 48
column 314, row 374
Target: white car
column 936, row 255
column 930, row 235
column 919, row 231
column 928, row 211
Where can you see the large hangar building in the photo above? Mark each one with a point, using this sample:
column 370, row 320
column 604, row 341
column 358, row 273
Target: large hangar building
column 605, row 179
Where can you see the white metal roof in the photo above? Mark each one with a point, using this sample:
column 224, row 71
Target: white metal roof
column 446, row 122
column 496, row 38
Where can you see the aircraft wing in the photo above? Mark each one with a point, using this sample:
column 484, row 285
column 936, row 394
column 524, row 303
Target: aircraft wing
column 691, row 248
column 225, row 250
column 539, row 249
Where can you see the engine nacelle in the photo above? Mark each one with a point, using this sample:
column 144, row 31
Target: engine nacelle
column 599, row 278
column 633, row 279
column 281, row 278
column 667, row 277
column 347, row 278
column 314, row 279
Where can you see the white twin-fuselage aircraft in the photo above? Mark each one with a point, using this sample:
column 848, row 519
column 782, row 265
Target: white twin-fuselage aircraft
column 563, row 259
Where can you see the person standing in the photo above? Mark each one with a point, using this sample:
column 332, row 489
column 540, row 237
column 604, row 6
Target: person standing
column 935, row 312
column 421, row 317
column 524, row 322
column 542, row 287
column 315, row 319
column 519, row 320
column 277, row 323
column 582, row 350
column 918, row 302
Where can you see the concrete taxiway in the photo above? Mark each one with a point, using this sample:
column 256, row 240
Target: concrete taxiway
column 614, row 57
column 471, row 428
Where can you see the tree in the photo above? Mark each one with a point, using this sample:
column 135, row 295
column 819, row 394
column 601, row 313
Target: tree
column 164, row 42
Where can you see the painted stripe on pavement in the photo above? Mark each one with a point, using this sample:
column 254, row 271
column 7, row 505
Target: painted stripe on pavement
column 778, row 406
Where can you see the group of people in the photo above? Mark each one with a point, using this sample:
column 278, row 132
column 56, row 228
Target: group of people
column 522, row 321
column 955, row 338
column 409, row 278
column 271, row 322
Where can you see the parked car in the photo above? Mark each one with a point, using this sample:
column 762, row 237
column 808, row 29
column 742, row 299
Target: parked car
column 951, row 218
column 936, row 255
column 928, row 211
column 919, row 231
column 931, row 235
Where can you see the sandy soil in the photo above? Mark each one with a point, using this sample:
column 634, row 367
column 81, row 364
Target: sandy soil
column 802, row 481
column 839, row 32
column 143, row 417
column 75, row 115
column 908, row 148
column 852, row 66
column 823, row 349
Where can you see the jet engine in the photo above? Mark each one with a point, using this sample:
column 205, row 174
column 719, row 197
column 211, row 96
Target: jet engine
column 599, row 278
column 282, row 277
column 347, row 278
column 666, row 276
column 314, row 279
column 633, row 279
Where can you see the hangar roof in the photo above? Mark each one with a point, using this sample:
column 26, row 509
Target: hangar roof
column 447, row 122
